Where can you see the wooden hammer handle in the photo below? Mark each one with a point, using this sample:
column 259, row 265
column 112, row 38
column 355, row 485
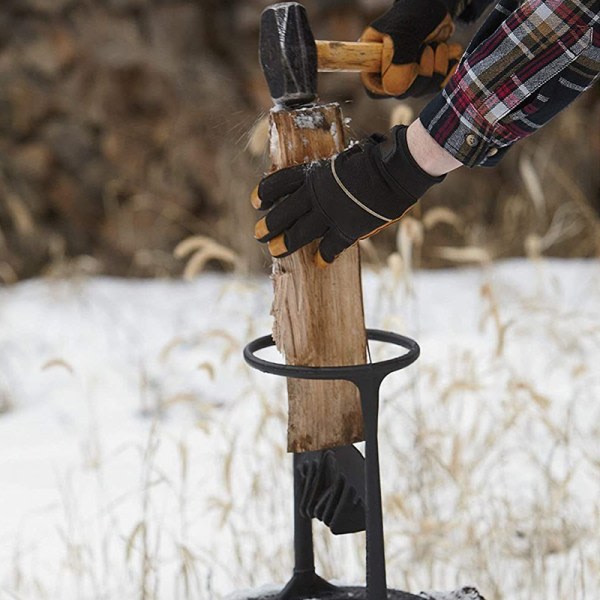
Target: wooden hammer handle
column 349, row 56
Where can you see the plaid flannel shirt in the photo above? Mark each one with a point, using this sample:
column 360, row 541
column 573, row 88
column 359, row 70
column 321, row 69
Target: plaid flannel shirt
column 527, row 62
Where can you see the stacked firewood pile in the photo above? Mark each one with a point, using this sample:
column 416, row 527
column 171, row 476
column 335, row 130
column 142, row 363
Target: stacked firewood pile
column 124, row 127
column 115, row 131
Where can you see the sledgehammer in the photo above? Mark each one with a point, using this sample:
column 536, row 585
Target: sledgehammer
column 290, row 56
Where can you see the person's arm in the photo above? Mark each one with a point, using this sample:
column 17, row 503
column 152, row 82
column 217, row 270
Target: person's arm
column 526, row 63
column 428, row 154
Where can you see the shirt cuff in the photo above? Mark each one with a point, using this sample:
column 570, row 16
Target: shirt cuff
column 461, row 132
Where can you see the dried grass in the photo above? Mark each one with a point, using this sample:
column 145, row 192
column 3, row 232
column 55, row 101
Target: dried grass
column 449, row 431
column 200, row 250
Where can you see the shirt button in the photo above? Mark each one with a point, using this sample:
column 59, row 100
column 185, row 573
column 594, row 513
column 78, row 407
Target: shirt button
column 471, row 140
column 492, row 152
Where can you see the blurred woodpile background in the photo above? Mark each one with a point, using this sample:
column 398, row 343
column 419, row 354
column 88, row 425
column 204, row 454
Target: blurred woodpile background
column 127, row 126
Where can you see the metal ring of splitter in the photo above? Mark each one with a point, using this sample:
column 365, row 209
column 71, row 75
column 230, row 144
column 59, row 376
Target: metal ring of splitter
column 348, row 372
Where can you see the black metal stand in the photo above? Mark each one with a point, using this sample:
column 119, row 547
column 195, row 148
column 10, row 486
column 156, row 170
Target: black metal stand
column 305, row 583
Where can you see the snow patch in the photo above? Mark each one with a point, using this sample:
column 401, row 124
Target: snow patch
column 156, row 440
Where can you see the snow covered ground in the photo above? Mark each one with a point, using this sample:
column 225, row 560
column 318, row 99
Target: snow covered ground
column 140, row 457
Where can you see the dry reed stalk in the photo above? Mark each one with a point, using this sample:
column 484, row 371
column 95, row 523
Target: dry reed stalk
column 202, row 250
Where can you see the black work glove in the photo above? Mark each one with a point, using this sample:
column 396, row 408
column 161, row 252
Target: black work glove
column 416, row 60
column 351, row 196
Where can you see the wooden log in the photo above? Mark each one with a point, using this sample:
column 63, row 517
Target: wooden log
column 318, row 313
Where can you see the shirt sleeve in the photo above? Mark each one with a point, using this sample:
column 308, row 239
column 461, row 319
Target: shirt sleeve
column 526, row 63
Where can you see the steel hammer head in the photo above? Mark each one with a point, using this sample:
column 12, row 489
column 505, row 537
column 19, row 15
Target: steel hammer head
column 288, row 54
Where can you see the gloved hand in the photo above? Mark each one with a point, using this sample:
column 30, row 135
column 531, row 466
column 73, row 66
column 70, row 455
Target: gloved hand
column 416, row 59
column 351, row 196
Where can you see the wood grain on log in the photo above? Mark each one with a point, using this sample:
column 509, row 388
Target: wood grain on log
column 318, row 313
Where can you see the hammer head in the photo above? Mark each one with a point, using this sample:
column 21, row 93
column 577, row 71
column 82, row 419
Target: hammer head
column 288, row 54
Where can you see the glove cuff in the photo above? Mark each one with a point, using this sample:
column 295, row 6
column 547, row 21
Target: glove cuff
column 463, row 9
column 454, row 7
column 401, row 167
